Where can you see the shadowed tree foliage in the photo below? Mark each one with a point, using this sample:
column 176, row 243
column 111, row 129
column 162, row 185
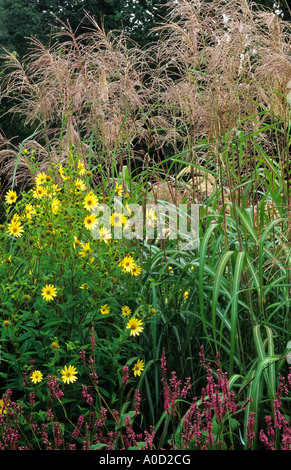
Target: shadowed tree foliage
column 21, row 20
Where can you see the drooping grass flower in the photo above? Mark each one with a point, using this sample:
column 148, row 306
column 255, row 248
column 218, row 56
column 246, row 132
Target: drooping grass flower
column 126, row 311
column 69, row 374
column 36, row 376
column 138, row 368
column 11, row 197
column 134, row 325
column 90, row 221
column 49, row 292
column 105, row 309
column 15, row 229
column 90, row 201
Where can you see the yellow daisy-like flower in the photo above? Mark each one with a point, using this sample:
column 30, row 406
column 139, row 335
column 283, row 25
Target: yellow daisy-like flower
column 40, row 179
column 126, row 311
column 76, row 242
column 55, row 205
column 6, row 323
column 69, row 374
column 49, row 292
column 151, row 216
column 15, row 219
column 38, row 192
column 55, row 345
column 105, row 235
column 80, row 185
column 84, row 286
column 117, row 219
column 136, row 270
column 55, row 188
column 127, row 264
column 81, row 168
column 2, row 409
column 36, row 376
column 90, row 201
column 119, row 189
column 128, row 208
column 29, row 211
column 105, row 309
column 186, row 294
column 134, row 325
column 90, row 221
column 15, row 229
column 138, row 368
column 61, row 171
column 86, row 249
column 11, row 197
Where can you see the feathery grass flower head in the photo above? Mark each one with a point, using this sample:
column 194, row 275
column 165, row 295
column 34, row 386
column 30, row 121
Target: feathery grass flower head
column 36, row 376
column 69, row 374
column 138, row 368
column 134, row 325
column 49, row 292
column 11, row 197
